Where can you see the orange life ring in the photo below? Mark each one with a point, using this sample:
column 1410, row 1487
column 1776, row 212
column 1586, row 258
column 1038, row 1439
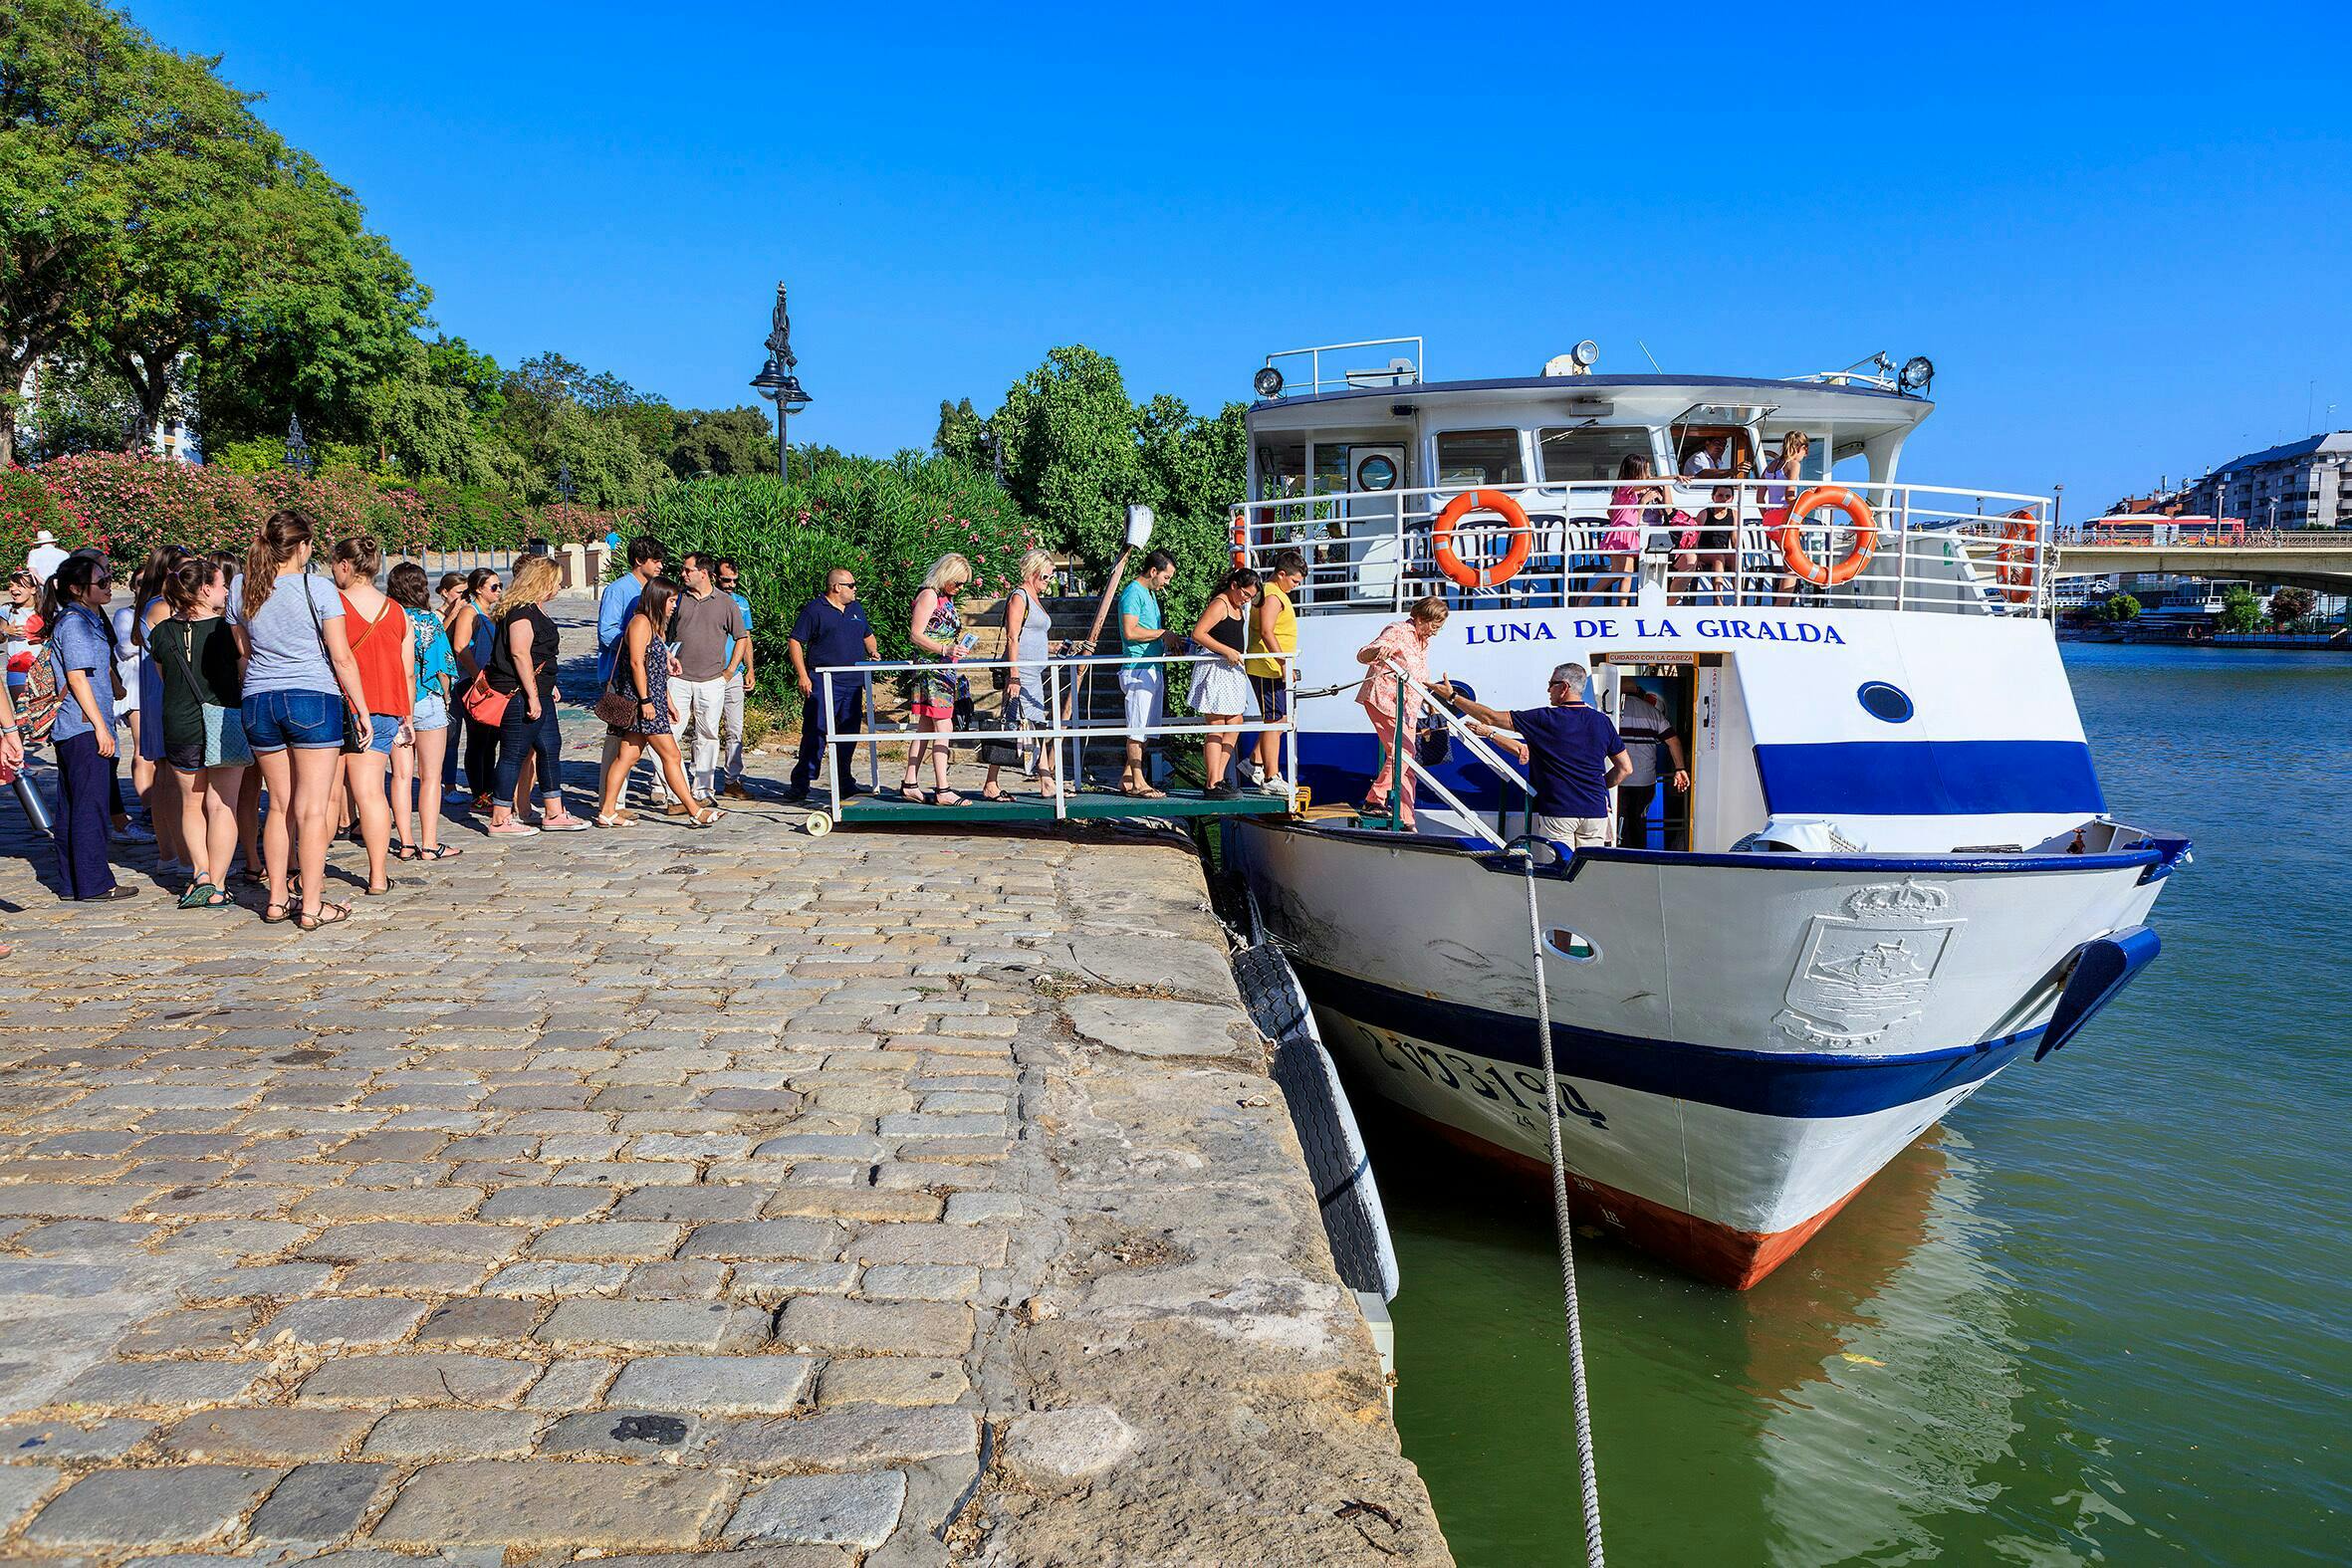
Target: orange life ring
column 1857, row 512
column 2014, row 564
column 1523, row 539
column 1241, row 539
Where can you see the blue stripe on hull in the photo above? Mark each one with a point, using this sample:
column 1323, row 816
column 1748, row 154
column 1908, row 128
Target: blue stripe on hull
column 1809, row 1085
column 1929, row 777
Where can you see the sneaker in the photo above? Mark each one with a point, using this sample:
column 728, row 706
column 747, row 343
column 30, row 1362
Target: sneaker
column 735, row 791
column 455, row 797
column 133, row 833
column 563, row 825
column 1220, row 792
column 513, row 830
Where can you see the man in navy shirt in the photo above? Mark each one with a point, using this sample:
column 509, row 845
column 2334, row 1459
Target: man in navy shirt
column 831, row 633
column 1573, row 755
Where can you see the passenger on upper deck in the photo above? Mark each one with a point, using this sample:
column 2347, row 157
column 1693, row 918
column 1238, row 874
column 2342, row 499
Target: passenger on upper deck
column 1778, row 474
column 1632, row 508
column 1714, row 547
column 1710, row 459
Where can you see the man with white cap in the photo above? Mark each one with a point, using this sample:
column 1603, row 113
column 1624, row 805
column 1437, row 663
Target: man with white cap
column 43, row 560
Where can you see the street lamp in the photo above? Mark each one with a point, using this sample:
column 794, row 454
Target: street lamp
column 996, row 452
column 297, row 451
column 776, row 384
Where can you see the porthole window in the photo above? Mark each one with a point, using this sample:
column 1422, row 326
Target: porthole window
column 1568, row 944
column 1881, row 701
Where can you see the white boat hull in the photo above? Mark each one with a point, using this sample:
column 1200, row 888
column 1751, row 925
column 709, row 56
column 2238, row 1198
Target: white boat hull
column 1750, row 1040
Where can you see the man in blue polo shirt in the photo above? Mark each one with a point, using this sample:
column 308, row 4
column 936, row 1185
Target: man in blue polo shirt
column 1573, row 753
column 831, row 633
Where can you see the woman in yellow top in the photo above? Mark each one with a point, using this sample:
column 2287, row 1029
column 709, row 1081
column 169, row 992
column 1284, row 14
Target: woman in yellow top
column 1274, row 625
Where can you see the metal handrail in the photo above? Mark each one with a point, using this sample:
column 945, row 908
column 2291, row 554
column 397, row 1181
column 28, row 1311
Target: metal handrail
column 1315, row 359
column 1060, row 724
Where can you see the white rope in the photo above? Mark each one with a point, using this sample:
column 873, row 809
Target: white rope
column 1586, row 1473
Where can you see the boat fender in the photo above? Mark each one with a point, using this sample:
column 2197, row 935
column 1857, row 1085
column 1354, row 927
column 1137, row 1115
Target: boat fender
column 1241, row 539
column 1441, row 538
column 2014, row 562
column 1857, row 511
column 2103, row 965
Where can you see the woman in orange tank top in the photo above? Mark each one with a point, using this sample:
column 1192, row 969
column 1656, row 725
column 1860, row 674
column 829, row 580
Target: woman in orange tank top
column 378, row 630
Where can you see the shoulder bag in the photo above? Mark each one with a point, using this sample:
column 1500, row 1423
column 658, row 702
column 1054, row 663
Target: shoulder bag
column 353, row 742
column 616, row 707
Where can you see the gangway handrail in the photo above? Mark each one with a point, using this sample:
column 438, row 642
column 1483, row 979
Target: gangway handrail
column 1458, row 727
column 1061, row 726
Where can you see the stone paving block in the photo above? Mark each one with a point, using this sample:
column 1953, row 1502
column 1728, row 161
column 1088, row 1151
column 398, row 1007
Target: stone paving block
column 855, row 1204
column 341, row 1205
column 234, row 1238
column 276, row 1280
column 919, row 1124
column 82, row 1237
column 412, row 1280
column 21, row 1487
column 546, row 1278
column 981, row 1207
column 262, row 1435
column 622, row 1431
column 544, row 1504
column 365, row 1321
column 322, row 1502
column 844, row 1438
column 825, row 1145
column 454, row 1434
column 86, row 1438
column 770, row 1284
column 601, row 1239
column 841, row 1510
column 653, row 1325
column 400, row 1242
column 445, row 1377
column 182, row 1505
column 479, row 1318
column 574, row 1384
column 766, row 1239
column 715, row 1385
column 904, row 1328
column 928, row 1243
column 688, row 1203
column 891, row 1380
column 157, row 1385
column 191, row 1331
column 920, row 1282
column 56, row 1201
column 546, row 1203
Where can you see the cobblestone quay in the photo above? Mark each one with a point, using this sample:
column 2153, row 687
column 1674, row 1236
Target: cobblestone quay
column 882, row 1198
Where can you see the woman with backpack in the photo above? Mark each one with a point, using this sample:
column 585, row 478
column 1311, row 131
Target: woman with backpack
column 81, row 662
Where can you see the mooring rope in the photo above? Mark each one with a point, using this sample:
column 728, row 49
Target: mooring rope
column 1525, row 848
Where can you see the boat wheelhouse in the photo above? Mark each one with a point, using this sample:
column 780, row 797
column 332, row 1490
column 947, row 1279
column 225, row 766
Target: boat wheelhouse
column 1891, row 872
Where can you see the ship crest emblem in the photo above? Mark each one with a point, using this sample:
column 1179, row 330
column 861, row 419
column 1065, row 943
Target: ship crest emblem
column 1863, row 976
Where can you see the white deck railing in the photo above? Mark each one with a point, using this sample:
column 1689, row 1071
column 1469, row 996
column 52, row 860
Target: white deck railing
column 1965, row 552
column 1067, row 728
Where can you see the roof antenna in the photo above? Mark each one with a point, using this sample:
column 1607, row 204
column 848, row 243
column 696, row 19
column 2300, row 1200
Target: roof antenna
column 1653, row 358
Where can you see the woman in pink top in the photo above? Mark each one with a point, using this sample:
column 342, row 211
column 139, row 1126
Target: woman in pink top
column 1401, row 646
column 1622, row 540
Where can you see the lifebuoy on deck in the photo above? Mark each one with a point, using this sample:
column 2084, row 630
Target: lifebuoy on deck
column 1523, row 539
column 2013, row 563
column 1857, row 512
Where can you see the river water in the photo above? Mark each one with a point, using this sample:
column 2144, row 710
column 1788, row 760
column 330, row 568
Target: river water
column 2102, row 1315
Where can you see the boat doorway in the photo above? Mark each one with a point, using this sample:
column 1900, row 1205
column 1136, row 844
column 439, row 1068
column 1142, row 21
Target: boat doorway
column 1656, row 702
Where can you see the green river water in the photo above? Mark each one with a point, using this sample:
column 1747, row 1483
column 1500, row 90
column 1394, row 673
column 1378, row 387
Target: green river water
column 2100, row 1317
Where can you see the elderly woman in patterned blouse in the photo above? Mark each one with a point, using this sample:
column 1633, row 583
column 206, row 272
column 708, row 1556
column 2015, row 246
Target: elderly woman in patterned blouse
column 1401, row 648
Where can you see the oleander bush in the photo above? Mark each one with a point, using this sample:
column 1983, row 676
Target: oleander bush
column 26, row 508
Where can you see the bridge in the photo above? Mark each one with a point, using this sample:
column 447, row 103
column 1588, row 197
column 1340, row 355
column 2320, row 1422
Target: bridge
column 2320, row 560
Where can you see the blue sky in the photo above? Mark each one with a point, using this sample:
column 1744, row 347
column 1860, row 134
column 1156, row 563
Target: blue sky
column 2121, row 234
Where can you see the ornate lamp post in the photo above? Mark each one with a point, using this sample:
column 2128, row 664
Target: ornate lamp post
column 778, row 384
column 994, row 449
column 297, row 451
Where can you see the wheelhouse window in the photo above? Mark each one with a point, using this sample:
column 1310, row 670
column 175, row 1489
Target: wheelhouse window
column 1479, row 457
column 1282, row 469
column 1570, row 453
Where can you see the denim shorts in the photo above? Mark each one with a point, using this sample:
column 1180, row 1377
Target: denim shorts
column 303, row 720
column 383, row 730
column 431, row 713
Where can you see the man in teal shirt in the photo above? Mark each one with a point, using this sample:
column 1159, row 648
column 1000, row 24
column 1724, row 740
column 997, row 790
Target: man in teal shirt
column 1144, row 686
column 741, row 681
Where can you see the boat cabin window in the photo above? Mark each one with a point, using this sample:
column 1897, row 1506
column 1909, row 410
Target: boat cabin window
column 1691, row 454
column 1282, row 469
column 1587, row 452
column 1479, row 457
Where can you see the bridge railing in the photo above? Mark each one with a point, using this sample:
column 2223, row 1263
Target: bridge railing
column 2251, row 539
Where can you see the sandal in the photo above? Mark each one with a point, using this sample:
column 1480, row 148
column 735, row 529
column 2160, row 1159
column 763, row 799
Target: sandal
column 947, row 798
column 708, row 816
column 203, row 895
column 910, row 792
column 401, row 851
column 284, row 913
column 379, row 892
column 613, row 819
column 328, row 915
column 440, row 852
column 1147, row 792
column 992, row 793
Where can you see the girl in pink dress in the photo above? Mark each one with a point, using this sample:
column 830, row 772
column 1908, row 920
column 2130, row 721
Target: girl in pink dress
column 1401, row 646
column 1621, row 542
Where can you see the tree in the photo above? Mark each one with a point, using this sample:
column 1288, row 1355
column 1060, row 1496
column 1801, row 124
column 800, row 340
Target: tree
column 958, row 435
column 723, row 442
column 2241, row 611
column 78, row 407
column 2289, row 605
column 1066, row 433
column 2120, row 607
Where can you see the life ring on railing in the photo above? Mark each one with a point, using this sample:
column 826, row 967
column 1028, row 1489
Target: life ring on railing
column 1857, row 512
column 2013, row 563
column 1241, row 539
column 1441, row 538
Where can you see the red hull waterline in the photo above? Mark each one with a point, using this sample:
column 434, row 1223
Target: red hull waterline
column 1714, row 1252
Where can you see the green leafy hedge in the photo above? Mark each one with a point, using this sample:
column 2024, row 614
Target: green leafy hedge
column 885, row 519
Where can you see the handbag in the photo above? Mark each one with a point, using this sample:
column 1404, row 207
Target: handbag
column 353, row 742
column 616, row 707
column 485, row 707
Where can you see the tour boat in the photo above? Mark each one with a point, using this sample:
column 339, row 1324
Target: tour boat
column 1893, row 872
